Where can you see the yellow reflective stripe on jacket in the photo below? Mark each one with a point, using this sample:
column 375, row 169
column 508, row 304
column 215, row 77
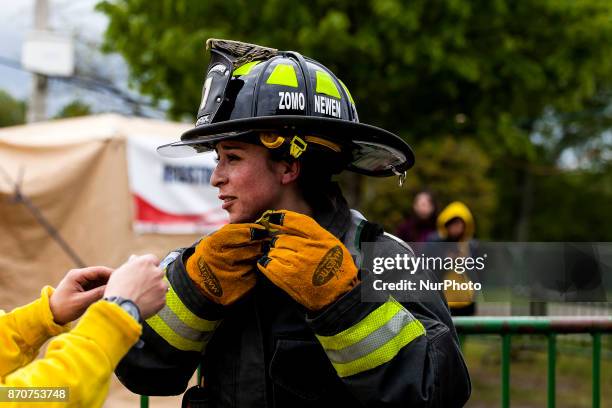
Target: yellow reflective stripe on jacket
column 182, row 312
column 373, row 341
column 179, row 326
column 170, row 335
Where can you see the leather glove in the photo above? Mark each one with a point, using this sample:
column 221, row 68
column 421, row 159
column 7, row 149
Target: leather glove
column 223, row 264
column 305, row 260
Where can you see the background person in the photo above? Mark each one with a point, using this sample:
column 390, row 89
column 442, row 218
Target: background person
column 456, row 226
column 421, row 222
column 81, row 359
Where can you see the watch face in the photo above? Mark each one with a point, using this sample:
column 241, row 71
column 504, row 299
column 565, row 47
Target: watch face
column 132, row 309
column 128, row 306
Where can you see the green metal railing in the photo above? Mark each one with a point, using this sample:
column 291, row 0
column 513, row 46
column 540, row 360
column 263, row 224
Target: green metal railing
column 507, row 327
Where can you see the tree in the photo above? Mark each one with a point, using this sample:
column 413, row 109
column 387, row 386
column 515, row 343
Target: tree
column 74, row 109
column 452, row 169
column 418, row 67
column 12, row 111
column 477, row 69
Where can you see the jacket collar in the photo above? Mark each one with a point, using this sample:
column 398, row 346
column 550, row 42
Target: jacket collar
column 334, row 214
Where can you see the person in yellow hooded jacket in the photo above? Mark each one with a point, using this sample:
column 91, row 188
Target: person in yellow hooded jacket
column 455, row 226
column 80, row 360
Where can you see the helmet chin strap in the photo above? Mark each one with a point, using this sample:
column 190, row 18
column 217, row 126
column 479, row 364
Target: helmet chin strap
column 297, row 145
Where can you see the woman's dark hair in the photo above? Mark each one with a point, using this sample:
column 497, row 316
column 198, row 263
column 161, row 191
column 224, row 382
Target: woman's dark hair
column 317, row 167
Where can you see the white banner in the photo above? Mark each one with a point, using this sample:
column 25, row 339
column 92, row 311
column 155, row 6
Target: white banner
column 172, row 196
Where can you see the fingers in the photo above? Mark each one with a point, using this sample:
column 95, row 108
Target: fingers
column 276, row 260
column 290, row 243
column 150, row 258
column 146, row 258
column 290, row 222
column 92, row 295
column 92, row 274
column 271, row 216
column 238, row 234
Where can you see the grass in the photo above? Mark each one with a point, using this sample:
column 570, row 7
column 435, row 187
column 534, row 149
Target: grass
column 528, row 371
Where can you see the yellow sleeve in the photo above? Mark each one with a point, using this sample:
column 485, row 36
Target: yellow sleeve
column 24, row 330
column 82, row 359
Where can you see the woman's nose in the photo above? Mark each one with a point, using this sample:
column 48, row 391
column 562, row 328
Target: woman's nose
column 217, row 178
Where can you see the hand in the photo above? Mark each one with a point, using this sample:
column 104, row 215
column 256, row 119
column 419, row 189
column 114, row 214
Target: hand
column 306, row 260
column 223, row 264
column 141, row 281
column 77, row 290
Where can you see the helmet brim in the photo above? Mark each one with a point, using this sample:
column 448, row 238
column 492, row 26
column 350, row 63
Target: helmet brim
column 377, row 153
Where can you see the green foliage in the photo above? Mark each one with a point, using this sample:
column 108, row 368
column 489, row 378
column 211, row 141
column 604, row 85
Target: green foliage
column 73, row 109
column 573, row 207
column 412, row 66
column 12, row 111
column 497, row 72
column 453, row 169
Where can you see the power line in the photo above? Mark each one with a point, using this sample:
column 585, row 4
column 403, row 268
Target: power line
column 92, row 84
column 7, row 62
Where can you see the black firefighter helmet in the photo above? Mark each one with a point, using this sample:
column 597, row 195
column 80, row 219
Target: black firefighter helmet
column 291, row 102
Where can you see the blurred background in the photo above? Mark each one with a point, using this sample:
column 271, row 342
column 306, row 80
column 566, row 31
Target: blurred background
column 508, row 106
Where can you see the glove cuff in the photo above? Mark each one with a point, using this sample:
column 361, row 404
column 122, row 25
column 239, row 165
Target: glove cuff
column 190, row 294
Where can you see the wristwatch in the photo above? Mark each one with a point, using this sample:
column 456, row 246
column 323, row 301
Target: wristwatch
column 127, row 305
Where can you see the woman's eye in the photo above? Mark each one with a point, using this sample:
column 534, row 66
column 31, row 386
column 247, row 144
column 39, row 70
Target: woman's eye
column 232, row 157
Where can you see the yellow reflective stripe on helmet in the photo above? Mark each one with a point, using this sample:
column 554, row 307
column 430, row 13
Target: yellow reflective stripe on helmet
column 347, row 91
column 373, row 341
column 326, row 85
column 172, row 337
column 245, row 69
column 283, row 74
column 185, row 315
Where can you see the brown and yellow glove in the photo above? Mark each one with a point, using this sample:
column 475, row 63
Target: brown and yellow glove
column 305, row 260
column 223, row 264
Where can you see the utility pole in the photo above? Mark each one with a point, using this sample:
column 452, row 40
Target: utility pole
column 37, row 108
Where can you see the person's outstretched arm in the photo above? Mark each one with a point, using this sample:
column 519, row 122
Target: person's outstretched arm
column 83, row 359
column 24, row 330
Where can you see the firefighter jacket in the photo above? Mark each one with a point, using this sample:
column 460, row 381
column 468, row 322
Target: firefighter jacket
column 81, row 359
column 267, row 351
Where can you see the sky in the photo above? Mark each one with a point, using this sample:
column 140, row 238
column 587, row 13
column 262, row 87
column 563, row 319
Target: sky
column 78, row 19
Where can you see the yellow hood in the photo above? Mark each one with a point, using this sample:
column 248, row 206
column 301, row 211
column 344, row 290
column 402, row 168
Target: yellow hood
column 456, row 209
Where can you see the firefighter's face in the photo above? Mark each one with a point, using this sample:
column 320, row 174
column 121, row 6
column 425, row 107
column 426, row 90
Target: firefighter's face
column 455, row 229
column 249, row 182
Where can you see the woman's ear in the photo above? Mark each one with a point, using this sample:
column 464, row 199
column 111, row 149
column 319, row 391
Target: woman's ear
column 289, row 171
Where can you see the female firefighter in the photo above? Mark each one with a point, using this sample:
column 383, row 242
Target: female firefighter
column 270, row 305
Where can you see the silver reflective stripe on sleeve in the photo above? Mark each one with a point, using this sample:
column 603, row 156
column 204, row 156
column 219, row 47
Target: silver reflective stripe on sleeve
column 374, row 340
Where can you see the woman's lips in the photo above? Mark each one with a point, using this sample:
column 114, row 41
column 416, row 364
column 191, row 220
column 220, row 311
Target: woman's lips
column 228, row 201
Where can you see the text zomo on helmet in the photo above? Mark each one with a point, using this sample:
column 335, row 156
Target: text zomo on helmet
column 251, row 90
